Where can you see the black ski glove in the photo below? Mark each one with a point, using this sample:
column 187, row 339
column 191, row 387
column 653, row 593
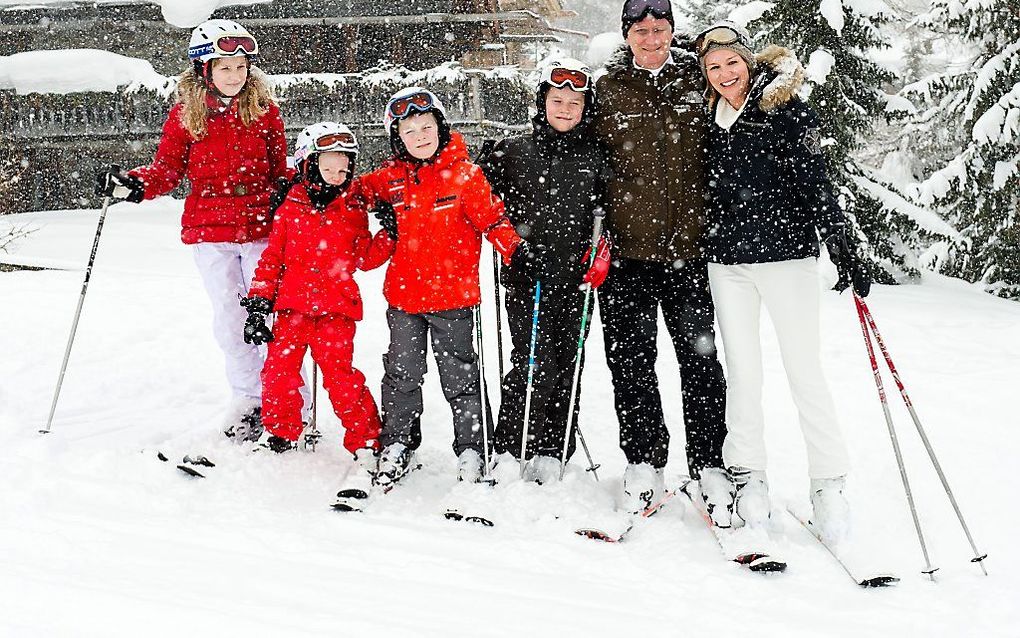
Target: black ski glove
column 119, row 185
column 529, row 260
column 255, row 329
column 842, row 247
column 279, row 196
column 387, row 218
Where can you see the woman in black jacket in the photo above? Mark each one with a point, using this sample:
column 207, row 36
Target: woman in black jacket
column 770, row 202
column 551, row 182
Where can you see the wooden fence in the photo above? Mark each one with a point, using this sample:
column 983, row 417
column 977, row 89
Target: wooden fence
column 60, row 142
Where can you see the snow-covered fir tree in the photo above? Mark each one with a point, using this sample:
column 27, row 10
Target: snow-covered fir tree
column 835, row 38
column 975, row 113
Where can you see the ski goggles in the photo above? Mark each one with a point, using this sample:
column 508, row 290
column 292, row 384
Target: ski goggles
column 333, row 141
column 560, row 77
column 723, row 36
column 226, row 45
column 637, row 9
column 400, row 107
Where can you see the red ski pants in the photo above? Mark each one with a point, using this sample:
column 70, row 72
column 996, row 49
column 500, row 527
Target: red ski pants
column 331, row 338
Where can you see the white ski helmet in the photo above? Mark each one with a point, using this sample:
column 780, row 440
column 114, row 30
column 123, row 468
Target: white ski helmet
column 221, row 39
column 413, row 99
column 325, row 137
column 567, row 72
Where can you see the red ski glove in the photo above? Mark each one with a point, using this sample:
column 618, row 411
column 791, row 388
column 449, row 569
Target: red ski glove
column 600, row 267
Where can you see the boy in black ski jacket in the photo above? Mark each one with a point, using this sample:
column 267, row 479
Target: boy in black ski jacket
column 551, row 182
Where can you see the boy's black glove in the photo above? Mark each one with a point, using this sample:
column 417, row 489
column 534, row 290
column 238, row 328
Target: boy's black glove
column 119, row 185
column 387, row 218
column 842, row 249
column 255, row 329
column 528, row 260
column 279, row 196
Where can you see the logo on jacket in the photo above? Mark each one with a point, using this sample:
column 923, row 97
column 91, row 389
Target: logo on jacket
column 445, row 202
column 813, row 141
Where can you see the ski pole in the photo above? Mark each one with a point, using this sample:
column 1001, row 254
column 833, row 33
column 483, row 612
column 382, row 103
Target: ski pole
column 978, row 556
column 313, row 436
column 595, row 235
column 499, row 314
column 77, row 315
column 929, row 570
column 592, row 465
column 531, row 375
column 484, row 388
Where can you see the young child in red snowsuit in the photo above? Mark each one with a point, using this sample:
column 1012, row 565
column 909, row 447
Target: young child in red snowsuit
column 440, row 205
column 306, row 275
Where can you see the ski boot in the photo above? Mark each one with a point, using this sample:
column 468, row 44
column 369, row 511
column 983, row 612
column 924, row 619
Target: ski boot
column 831, row 515
column 247, row 427
column 273, row 443
column 542, row 470
column 393, row 465
column 718, row 492
column 751, row 505
column 642, row 487
column 469, row 466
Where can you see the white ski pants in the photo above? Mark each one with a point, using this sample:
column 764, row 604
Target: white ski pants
column 790, row 292
column 227, row 270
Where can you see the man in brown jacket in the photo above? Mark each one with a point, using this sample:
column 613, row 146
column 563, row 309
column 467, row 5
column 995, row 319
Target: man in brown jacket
column 652, row 116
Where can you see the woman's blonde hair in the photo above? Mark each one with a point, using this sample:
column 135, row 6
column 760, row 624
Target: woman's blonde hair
column 254, row 100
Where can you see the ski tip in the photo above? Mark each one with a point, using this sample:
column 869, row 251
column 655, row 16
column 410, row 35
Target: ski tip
column 761, row 563
column 454, row 515
column 190, row 471
column 343, row 507
column 598, row 535
column 352, row 492
column 162, row 457
column 879, row 581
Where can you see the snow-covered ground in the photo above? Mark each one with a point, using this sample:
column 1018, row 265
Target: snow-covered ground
column 98, row 538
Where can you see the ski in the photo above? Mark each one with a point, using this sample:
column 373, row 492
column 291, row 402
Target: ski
column 743, row 545
column 600, row 534
column 189, row 463
column 469, row 503
column 454, row 514
column 356, row 499
column 846, row 559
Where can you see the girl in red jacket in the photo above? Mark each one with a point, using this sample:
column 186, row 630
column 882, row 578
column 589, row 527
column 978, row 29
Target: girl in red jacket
column 319, row 239
column 441, row 207
column 225, row 135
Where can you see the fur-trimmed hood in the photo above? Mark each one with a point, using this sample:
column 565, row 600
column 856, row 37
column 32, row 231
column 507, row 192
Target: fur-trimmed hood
column 778, row 77
column 622, row 59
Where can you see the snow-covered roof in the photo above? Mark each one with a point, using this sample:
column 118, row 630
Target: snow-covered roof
column 181, row 13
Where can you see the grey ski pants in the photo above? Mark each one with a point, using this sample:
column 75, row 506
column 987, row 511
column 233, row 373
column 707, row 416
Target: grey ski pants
column 451, row 333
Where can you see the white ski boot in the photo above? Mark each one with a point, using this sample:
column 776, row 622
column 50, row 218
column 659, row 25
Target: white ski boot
column 831, row 516
column 505, row 468
column 642, row 487
column 542, row 470
column 243, row 421
column 718, row 492
column 393, row 465
column 751, row 505
column 469, row 466
column 357, row 485
column 273, row 443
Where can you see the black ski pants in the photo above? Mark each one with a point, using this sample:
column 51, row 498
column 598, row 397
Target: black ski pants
column 452, row 335
column 629, row 302
column 559, row 323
